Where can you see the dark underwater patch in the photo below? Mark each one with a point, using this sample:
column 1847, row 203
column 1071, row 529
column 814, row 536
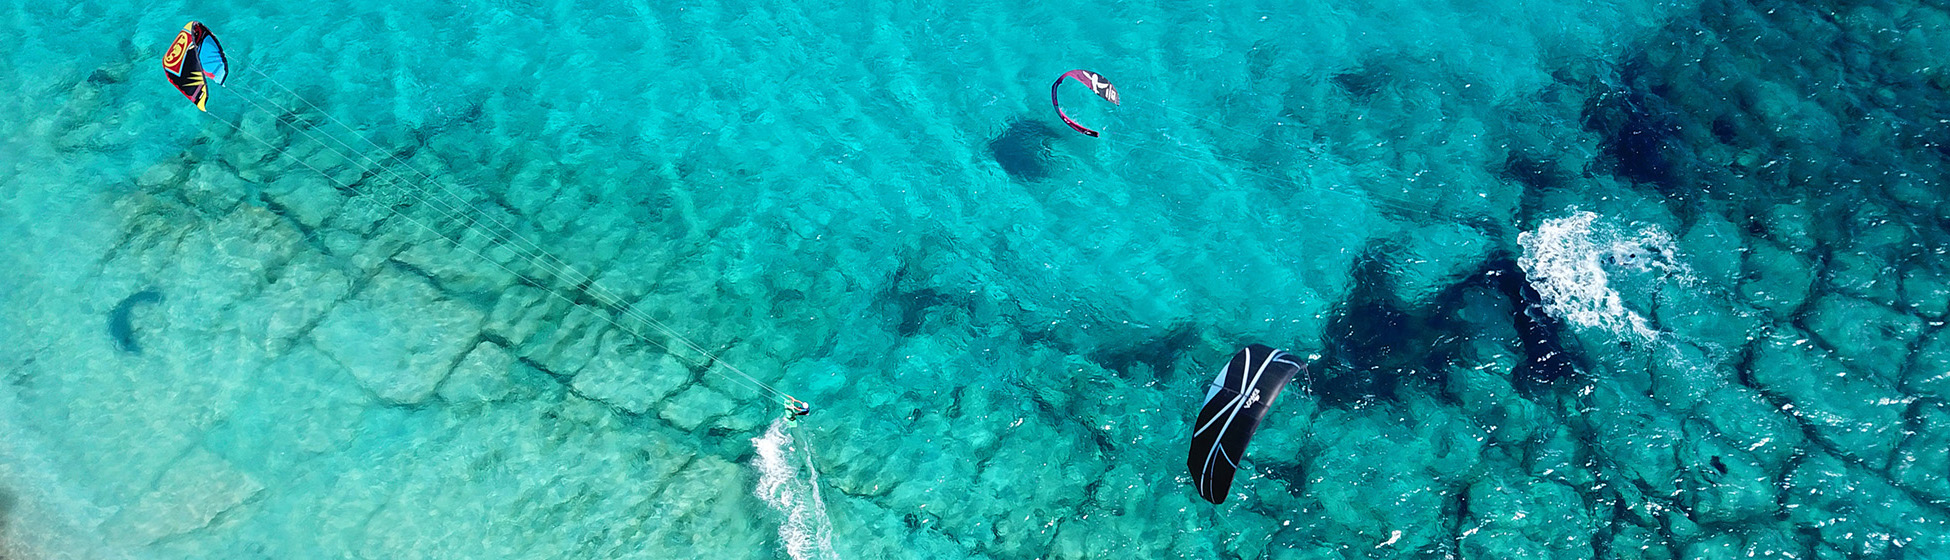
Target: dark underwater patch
column 1533, row 171
column 120, row 325
column 1375, row 346
column 1539, row 175
column 1638, row 131
column 1546, row 360
column 1366, row 81
column 1023, row 149
column 913, row 305
column 1372, row 344
column 1158, row 353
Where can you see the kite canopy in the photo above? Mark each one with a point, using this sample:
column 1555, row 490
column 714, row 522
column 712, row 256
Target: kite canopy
column 1097, row 85
column 1234, row 404
column 194, row 60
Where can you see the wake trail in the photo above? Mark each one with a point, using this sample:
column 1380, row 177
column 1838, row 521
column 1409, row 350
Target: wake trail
column 1570, row 261
column 1589, row 271
column 788, row 482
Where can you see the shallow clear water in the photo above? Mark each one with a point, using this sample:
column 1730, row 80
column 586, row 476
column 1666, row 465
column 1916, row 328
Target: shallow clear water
column 1579, row 280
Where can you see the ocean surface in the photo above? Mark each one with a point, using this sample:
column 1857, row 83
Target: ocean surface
column 530, row 279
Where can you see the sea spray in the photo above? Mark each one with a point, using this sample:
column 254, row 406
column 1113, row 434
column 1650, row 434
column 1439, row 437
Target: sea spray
column 1588, row 273
column 1569, row 261
column 788, row 482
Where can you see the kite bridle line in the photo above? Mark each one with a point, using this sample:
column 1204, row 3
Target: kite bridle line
column 531, row 252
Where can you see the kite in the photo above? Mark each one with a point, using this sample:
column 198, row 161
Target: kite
column 195, row 60
column 1097, row 85
column 1234, row 404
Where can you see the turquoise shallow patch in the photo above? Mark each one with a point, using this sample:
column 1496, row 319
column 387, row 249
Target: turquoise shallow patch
column 456, row 280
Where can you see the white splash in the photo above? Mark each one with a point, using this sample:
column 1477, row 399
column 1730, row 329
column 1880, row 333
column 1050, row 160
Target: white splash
column 788, row 483
column 1567, row 260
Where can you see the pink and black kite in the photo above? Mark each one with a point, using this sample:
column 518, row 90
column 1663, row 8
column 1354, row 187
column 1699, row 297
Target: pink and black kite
column 1097, row 84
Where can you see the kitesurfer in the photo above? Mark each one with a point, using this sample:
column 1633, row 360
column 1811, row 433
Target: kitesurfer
column 795, row 408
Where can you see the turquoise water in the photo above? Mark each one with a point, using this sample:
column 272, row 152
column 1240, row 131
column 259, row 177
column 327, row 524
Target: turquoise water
column 1579, row 280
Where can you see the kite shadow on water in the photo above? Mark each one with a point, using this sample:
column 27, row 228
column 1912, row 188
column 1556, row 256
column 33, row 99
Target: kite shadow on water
column 1023, row 149
column 121, row 321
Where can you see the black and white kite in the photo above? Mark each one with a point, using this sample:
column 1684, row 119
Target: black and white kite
column 1234, row 404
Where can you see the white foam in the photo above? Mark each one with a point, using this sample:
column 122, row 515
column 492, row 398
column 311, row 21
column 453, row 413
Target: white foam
column 1569, row 261
column 788, row 482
